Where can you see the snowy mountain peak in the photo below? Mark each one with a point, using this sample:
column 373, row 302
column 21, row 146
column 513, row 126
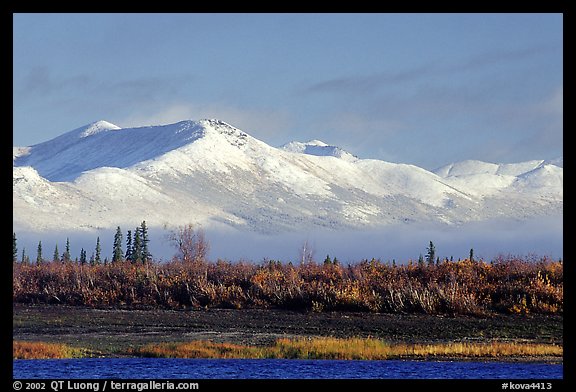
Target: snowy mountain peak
column 222, row 127
column 316, row 142
column 210, row 172
column 231, row 134
column 214, row 122
column 319, row 148
column 97, row 127
column 474, row 167
column 67, row 156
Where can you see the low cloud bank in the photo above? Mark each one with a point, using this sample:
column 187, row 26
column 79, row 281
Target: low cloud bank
column 542, row 237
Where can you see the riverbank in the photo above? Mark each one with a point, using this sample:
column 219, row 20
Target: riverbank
column 117, row 332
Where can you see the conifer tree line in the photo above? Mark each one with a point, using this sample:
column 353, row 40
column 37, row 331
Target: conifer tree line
column 137, row 249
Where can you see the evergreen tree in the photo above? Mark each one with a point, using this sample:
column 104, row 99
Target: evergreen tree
column 128, row 255
column 327, row 260
column 471, row 254
column 431, row 255
column 335, row 261
column 56, row 255
column 14, row 248
column 24, row 257
column 66, row 254
column 92, row 260
column 137, row 247
column 144, row 238
column 39, row 254
column 82, row 256
column 117, row 250
column 420, row 260
column 96, row 259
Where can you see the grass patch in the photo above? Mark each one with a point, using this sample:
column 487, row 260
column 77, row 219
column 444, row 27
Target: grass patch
column 348, row 349
column 199, row 349
column 43, row 350
column 303, row 348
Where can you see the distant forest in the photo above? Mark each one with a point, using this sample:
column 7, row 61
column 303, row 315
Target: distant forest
column 132, row 279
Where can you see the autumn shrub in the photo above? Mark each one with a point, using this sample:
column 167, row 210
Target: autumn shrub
column 507, row 284
column 43, row 350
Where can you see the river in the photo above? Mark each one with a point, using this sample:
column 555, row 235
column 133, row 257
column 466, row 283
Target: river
column 147, row 368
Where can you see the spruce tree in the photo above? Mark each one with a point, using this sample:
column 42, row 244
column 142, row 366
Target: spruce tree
column 431, row 255
column 14, row 248
column 144, row 238
column 471, row 254
column 56, row 255
column 97, row 259
column 23, row 255
column 39, row 254
column 420, row 260
column 82, row 256
column 66, row 254
column 137, row 246
column 128, row 255
column 327, row 260
column 117, row 250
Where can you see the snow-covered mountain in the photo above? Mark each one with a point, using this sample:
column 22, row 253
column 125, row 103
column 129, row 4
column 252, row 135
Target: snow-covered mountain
column 211, row 173
column 319, row 148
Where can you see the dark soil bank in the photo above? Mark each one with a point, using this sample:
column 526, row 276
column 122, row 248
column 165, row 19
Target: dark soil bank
column 111, row 331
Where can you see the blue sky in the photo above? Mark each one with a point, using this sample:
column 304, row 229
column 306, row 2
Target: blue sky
column 426, row 89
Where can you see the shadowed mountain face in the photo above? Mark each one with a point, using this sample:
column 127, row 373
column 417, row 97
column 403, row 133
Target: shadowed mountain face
column 208, row 172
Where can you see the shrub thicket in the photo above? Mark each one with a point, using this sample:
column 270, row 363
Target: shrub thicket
column 505, row 285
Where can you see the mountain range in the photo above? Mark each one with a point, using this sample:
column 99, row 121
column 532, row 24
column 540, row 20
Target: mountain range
column 210, row 173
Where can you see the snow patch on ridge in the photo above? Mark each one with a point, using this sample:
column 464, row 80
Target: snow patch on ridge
column 97, row 127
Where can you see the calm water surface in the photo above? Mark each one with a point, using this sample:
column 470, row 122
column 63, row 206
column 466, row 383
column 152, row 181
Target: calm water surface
column 147, row 368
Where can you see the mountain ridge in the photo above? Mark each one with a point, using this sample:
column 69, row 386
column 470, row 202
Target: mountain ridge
column 210, row 172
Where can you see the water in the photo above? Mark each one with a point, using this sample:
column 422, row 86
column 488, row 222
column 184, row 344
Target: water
column 147, row 368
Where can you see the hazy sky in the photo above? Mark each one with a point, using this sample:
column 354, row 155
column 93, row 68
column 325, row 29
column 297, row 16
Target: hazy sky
column 426, row 89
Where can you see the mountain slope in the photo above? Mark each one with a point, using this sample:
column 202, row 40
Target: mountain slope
column 318, row 148
column 212, row 173
column 531, row 179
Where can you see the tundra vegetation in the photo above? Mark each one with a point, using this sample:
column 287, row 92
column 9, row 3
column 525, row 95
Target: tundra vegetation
column 304, row 348
column 134, row 280
column 504, row 285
